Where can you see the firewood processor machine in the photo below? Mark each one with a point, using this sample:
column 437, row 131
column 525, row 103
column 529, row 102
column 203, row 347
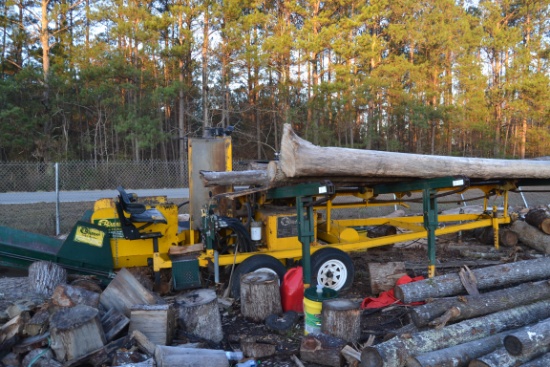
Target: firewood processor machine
column 253, row 228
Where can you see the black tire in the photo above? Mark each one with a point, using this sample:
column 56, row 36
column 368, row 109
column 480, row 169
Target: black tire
column 255, row 263
column 282, row 323
column 332, row 268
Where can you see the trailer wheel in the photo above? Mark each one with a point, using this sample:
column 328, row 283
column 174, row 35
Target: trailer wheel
column 332, row 268
column 255, row 263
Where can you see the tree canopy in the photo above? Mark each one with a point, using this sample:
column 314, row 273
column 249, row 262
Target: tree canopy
column 113, row 79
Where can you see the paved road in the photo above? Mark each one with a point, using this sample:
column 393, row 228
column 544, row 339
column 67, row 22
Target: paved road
column 78, row 196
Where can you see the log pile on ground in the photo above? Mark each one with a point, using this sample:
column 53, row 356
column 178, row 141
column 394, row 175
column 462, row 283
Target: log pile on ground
column 504, row 325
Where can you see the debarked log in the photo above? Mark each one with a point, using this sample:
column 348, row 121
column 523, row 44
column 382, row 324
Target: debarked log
column 301, row 158
column 539, row 218
column 166, row 356
column 459, row 355
column 526, row 341
column 394, row 352
column 237, row 178
column 487, row 278
column 483, row 304
column 531, row 236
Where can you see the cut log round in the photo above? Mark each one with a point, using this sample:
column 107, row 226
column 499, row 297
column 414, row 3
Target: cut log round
column 44, row 276
column 198, row 314
column 458, row 355
column 75, row 332
column 301, row 158
column 487, row 278
column 531, row 236
column 539, row 218
column 383, row 276
column 260, row 295
column 473, row 306
column 526, row 341
column 506, row 237
column 395, row 352
column 341, row 318
column 189, row 357
column 322, row 349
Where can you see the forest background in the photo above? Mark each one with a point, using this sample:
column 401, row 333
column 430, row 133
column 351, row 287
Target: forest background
column 131, row 80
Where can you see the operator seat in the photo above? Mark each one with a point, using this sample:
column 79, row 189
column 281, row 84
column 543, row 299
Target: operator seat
column 138, row 214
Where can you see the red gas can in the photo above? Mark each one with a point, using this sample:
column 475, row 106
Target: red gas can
column 292, row 290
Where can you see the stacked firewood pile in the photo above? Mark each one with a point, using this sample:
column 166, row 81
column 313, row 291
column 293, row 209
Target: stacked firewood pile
column 47, row 322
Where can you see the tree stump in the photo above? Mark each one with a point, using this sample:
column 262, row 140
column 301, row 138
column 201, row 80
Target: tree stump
column 75, row 332
column 383, row 276
column 199, row 314
column 341, row 318
column 44, row 276
column 539, row 218
column 322, row 349
column 260, row 295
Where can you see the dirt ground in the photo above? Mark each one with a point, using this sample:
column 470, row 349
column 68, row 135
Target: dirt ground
column 380, row 323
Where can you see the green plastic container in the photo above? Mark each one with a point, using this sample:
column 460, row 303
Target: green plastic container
column 313, row 305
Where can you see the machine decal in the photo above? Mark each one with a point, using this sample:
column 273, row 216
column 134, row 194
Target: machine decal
column 112, row 225
column 89, row 236
column 286, row 226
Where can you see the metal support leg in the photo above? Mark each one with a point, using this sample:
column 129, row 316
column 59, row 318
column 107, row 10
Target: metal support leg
column 306, row 233
column 156, row 268
column 430, row 224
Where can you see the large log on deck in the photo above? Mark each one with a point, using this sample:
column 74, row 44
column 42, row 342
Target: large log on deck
column 465, row 307
column 531, row 236
column 44, row 276
column 487, row 278
column 301, row 158
column 394, row 352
